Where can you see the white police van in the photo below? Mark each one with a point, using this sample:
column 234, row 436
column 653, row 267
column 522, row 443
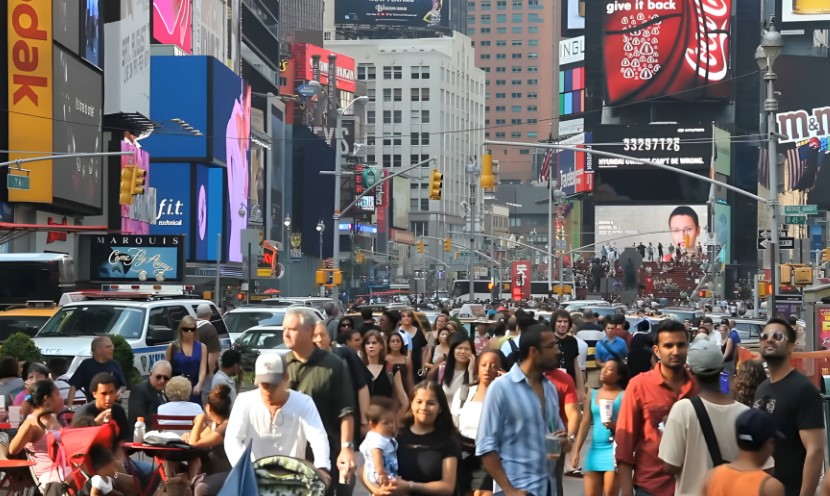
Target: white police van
column 147, row 321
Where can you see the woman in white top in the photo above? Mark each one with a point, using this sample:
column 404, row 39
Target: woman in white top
column 178, row 391
column 439, row 352
column 456, row 371
column 466, row 412
column 276, row 420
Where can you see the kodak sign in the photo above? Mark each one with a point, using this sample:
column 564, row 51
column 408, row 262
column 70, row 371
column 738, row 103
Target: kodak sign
column 30, row 93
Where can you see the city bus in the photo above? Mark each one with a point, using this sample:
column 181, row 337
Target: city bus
column 35, row 276
column 482, row 291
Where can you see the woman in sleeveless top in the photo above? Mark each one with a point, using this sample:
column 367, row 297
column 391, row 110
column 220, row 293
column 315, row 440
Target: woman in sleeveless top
column 599, row 463
column 188, row 356
column 209, row 433
column 381, row 382
column 396, row 359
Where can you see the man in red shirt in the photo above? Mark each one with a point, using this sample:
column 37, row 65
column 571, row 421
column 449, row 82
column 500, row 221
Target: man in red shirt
column 569, row 412
column 645, row 407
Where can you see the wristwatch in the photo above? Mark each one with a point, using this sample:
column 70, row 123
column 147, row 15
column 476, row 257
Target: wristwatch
column 572, row 438
column 349, row 445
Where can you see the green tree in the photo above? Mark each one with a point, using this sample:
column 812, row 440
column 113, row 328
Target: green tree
column 123, row 354
column 22, row 347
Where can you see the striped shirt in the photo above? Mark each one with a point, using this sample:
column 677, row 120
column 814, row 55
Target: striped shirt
column 512, row 425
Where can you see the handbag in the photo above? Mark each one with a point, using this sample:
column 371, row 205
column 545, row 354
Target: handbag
column 708, row 431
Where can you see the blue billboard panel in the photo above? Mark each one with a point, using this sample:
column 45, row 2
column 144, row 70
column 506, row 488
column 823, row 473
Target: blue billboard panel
column 123, row 257
column 173, row 202
column 180, row 106
column 209, row 200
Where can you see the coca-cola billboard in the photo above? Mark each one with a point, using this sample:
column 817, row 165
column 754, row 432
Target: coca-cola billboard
column 520, row 276
column 666, row 48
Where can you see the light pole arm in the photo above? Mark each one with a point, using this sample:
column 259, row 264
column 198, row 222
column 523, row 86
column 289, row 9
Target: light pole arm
column 482, row 255
column 387, row 178
column 506, row 240
column 64, row 155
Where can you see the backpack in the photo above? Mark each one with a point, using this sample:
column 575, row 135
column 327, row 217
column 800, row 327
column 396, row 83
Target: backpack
column 514, row 357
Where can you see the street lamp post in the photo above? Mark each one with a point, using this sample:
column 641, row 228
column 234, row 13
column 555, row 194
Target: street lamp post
column 286, row 231
column 771, row 44
column 321, row 228
column 472, row 171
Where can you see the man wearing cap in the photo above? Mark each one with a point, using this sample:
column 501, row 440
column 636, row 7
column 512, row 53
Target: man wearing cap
column 276, row 420
column 325, row 378
column 754, row 431
column 684, row 448
column 795, row 404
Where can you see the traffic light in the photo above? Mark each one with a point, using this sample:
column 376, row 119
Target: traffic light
column 137, row 183
column 487, row 179
column 786, row 274
column 825, row 255
column 447, row 245
column 320, row 277
column 126, row 189
column 337, row 278
column 436, row 180
column 421, row 246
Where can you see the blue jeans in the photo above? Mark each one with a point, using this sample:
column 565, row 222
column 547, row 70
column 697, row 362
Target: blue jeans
column 640, row 492
column 141, row 470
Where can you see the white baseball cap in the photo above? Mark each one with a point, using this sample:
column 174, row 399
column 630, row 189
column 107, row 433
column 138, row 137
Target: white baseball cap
column 270, row 368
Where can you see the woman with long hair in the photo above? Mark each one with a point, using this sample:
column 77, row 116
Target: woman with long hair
column 208, row 433
column 455, row 371
column 345, row 325
column 750, row 375
column 439, row 351
column 428, row 448
column 188, row 356
column 415, row 340
column 397, row 359
column 466, row 411
column 381, row 382
column 599, row 463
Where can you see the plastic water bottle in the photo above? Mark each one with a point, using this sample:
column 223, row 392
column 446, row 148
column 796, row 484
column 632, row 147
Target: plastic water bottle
column 139, row 430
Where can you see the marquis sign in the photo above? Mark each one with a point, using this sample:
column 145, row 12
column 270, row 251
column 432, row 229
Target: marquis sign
column 121, row 257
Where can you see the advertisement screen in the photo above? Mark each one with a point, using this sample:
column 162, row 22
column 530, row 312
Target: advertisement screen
column 67, row 25
column 676, row 48
column 723, row 151
column 574, row 170
column 687, row 147
column 803, row 11
column 572, row 91
column 209, row 28
column 173, row 201
column 302, row 54
column 520, row 275
column 120, row 258
column 573, row 16
column 209, row 199
column 400, row 203
column 93, row 32
column 723, row 232
column 667, row 225
column 136, row 218
column 127, row 73
column 407, row 13
column 78, row 96
column 173, row 23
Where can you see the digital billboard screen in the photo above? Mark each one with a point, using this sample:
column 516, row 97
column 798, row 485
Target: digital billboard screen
column 676, row 48
column 666, row 225
column 173, row 23
column 209, row 202
column 137, row 217
column 66, row 26
column 573, row 17
column 574, row 170
column 405, row 13
column 173, row 200
column 400, row 203
column 77, row 98
column 93, row 32
column 723, row 232
column 684, row 146
column 799, row 11
column 123, row 257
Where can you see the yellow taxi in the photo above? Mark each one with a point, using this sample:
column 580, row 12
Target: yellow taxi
column 27, row 319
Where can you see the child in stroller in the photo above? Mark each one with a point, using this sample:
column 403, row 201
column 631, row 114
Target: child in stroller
column 103, row 464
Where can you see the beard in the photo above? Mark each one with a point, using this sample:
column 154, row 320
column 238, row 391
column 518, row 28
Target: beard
column 774, row 360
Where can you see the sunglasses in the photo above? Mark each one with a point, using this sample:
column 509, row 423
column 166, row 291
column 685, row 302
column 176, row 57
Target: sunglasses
column 346, row 324
column 775, row 336
column 162, row 377
column 188, row 329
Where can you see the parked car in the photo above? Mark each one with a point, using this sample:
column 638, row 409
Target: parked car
column 27, row 319
column 241, row 319
column 256, row 339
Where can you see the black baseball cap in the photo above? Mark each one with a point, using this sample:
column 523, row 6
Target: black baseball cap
column 753, row 428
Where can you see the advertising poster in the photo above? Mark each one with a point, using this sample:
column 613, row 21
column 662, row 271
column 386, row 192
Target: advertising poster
column 67, row 30
column 78, row 97
column 804, row 11
column 209, row 200
column 687, row 147
column 173, row 199
column 93, row 32
column 723, row 151
column 303, row 53
column 723, row 231
column 573, row 169
column 136, row 218
column 675, row 48
column 121, row 257
column 405, row 13
column 400, row 203
column 823, row 324
column 520, row 280
column 127, row 66
column 667, row 225
column 173, row 23
column 209, row 28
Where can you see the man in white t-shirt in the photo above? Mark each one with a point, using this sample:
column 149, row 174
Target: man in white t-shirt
column 683, row 448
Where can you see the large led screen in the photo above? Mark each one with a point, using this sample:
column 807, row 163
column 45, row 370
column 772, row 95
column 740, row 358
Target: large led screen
column 66, row 22
column 674, row 48
column 127, row 77
column 173, row 200
column 209, row 201
column 137, row 217
column 797, row 11
column 173, row 23
column 408, row 13
column 723, row 231
column 93, row 32
column 400, row 203
column 682, row 146
column 77, row 98
column 210, row 25
column 120, row 257
column 669, row 225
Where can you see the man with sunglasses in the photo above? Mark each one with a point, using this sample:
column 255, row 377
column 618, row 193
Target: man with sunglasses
column 795, row 405
column 146, row 397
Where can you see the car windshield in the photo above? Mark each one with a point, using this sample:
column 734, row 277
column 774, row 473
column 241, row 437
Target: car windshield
column 26, row 325
column 95, row 320
column 239, row 322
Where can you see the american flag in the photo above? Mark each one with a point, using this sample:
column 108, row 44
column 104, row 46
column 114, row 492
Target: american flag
column 544, row 172
column 796, row 163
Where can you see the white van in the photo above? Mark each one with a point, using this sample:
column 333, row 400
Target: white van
column 147, row 322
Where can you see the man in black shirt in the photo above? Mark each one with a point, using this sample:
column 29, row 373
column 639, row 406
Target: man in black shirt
column 368, row 321
column 146, row 397
column 569, row 350
column 101, row 361
column 795, row 404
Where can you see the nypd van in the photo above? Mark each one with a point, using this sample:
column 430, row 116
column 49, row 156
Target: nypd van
column 147, row 321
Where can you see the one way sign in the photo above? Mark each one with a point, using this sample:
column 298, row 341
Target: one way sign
column 767, row 233
column 785, row 243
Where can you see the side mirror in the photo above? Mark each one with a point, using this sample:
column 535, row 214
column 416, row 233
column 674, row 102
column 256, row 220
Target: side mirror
column 159, row 335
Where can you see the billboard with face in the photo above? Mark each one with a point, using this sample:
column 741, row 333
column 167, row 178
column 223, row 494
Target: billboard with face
column 173, row 23
column 677, row 48
column 666, row 225
column 121, row 258
column 78, row 97
column 409, row 13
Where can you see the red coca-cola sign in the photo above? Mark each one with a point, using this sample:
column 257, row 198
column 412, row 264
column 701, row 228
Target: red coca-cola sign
column 666, row 48
column 520, row 280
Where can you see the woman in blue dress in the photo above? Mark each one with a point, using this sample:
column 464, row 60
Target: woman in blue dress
column 188, row 356
column 599, row 463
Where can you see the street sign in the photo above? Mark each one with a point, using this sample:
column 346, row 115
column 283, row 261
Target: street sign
column 767, row 233
column 795, row 219
column 785, row 243
column 799, row 209
column 306, row 90
column 789, row 298
column 17, row 182
column 561, row 244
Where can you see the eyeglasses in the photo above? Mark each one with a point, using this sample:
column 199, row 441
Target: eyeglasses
column 162, row 377
column 188, row 329
column 775, row 336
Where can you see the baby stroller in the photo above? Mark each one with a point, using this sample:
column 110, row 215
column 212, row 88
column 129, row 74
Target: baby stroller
column 68, row 448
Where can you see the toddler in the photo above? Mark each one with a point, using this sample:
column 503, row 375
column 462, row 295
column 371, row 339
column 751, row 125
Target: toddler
column 104, row 467
column 379, row 446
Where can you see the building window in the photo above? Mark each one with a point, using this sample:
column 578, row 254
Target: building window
column 515, row 134
column 365, row 71
column 516, row 43
column 532, row 120
column 533, row 55
column 391, row 94
column 501, row 42
column 515, row 95
column 524, row 151
column 471, row 5
column 516, row 82
column 500, row 108
column 485, row 69
column 485, row 56
column 394, row 140
column 500, row 134
column 516, row 68
column 485, row 19
column 532, row 42
column 501, row 5
column 387, row 117
column 532, row 134
column 387, row 160
column 517, row 4
column 501, row 18
column 485, row 5
column 515, row 108
column 392, row 72
column 533, row 17
column 419, row 94
column 370, row 159
column 533, row 68
column 501, row 56
column 370, row 117
column 484, row 43
column 515, row 121
column 501, row 95
column 533, row 4
column 499, row 122
column 396, row 160
column 532, row 95
column 516, row 17
column 370, row 93
column 515, row 221
column 396, row 117
column 424, row 204
column 471, row 32
column 485, row 30
column 532, row 82
column 370, row 140
column 501, row 69
column 532, row 108
column 487, row 134
column 501, row 30
column 533, row 29
column 516, row 55
column 471, row 19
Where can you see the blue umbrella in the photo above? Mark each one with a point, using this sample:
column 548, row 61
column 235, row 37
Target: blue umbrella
column 241, row 479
